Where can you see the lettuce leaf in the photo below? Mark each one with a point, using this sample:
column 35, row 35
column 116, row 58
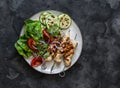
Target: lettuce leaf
column 22, row 48
column 33, row 28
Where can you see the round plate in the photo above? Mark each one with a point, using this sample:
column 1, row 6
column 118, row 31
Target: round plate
column 75, row 34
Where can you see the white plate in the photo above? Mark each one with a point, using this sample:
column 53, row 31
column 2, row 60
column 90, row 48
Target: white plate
column 74, row 31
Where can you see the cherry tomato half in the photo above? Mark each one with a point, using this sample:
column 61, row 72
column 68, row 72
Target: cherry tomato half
column 36, row 61
column 31, row 44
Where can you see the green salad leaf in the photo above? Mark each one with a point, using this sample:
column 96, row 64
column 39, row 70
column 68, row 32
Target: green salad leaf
column 33, row 28
column 46, row 55
column 42, row 50
column 22, row 48
column 54, row 31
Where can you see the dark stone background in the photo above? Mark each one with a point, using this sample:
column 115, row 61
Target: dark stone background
column 99, row 63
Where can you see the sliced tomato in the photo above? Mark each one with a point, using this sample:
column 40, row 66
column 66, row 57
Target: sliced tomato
column 47, row 36
column 31, row 44
column 36, row 61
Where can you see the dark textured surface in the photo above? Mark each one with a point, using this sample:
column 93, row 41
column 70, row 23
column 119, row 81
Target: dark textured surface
column 99, row 64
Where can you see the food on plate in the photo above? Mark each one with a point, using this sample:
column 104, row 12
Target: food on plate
column 65, row 21
column 36, row 61
column 58, row 58
column 44, row 40
column 31, row 44
column 22, row 48
column 48, row 59
column 68, row 49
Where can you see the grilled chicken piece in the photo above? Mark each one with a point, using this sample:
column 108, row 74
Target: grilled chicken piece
column 58, row 58
column 65, row 53
column 68, row 50
column 67, row 61
column 68, row 57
